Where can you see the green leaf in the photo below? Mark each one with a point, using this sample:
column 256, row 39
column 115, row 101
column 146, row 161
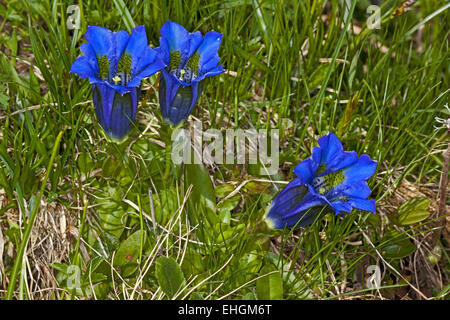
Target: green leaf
column 223, row 190
column 169, row 275
column 252, row 58
column 397, row 245
column 61, row 267
column 129, row 252
column 224, row 208
column 413, row 211
column 85, row 162
column 97, row 266
column 4, row 99
column 350, row 110
column 101, row 290
column 196, row 296
column 249, row 296
column 318, row 76
column 202, row 201
column 352, row 70
column 12, row 44
column 197, row 175
column 94, row 278
column 125, row 14
column 398, row 250
column 269, row 287
column 110, row 167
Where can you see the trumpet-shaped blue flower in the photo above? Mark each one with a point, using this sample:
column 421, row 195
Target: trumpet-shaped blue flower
column 115, row 64
column 189, row 59
column 330, row 179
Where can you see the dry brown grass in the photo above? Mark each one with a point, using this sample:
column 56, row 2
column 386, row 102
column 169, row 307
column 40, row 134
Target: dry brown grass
column 50, row 242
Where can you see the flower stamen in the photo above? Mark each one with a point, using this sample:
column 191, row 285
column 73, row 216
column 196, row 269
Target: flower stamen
column 116, row 79
column 182, row 72
column 323, row 184
column 103, row 66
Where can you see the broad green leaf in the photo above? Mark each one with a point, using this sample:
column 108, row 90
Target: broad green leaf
column 249, row 296
column 223, row 190
column 397, row 245
column 98, row 267
column 85, row 162
column 251, row 263
column 398, row 250
column 101, row 290
column 256, row 187
column 61, row 267
column 413, row 211
column 94, row 278
column 197, row 175
column 165, row 204
column 169, row 275
column 374, row 220
column 224, row 232
column 128, row 254
column 110, row 167
column 192, row 263
column 202, row 201
column 269, row 287
column 196, row 296
column 224, row 208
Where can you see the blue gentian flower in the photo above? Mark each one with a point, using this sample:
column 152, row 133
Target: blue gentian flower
column 189, row 59
column 330, row 179
column 115, row 64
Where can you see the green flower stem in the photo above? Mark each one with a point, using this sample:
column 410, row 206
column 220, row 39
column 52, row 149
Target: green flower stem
column 23, row 244
column 166, row 136
column 168, row 158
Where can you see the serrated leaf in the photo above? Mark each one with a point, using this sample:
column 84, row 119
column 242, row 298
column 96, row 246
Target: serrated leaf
column 169, row 275
column 413, row 211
